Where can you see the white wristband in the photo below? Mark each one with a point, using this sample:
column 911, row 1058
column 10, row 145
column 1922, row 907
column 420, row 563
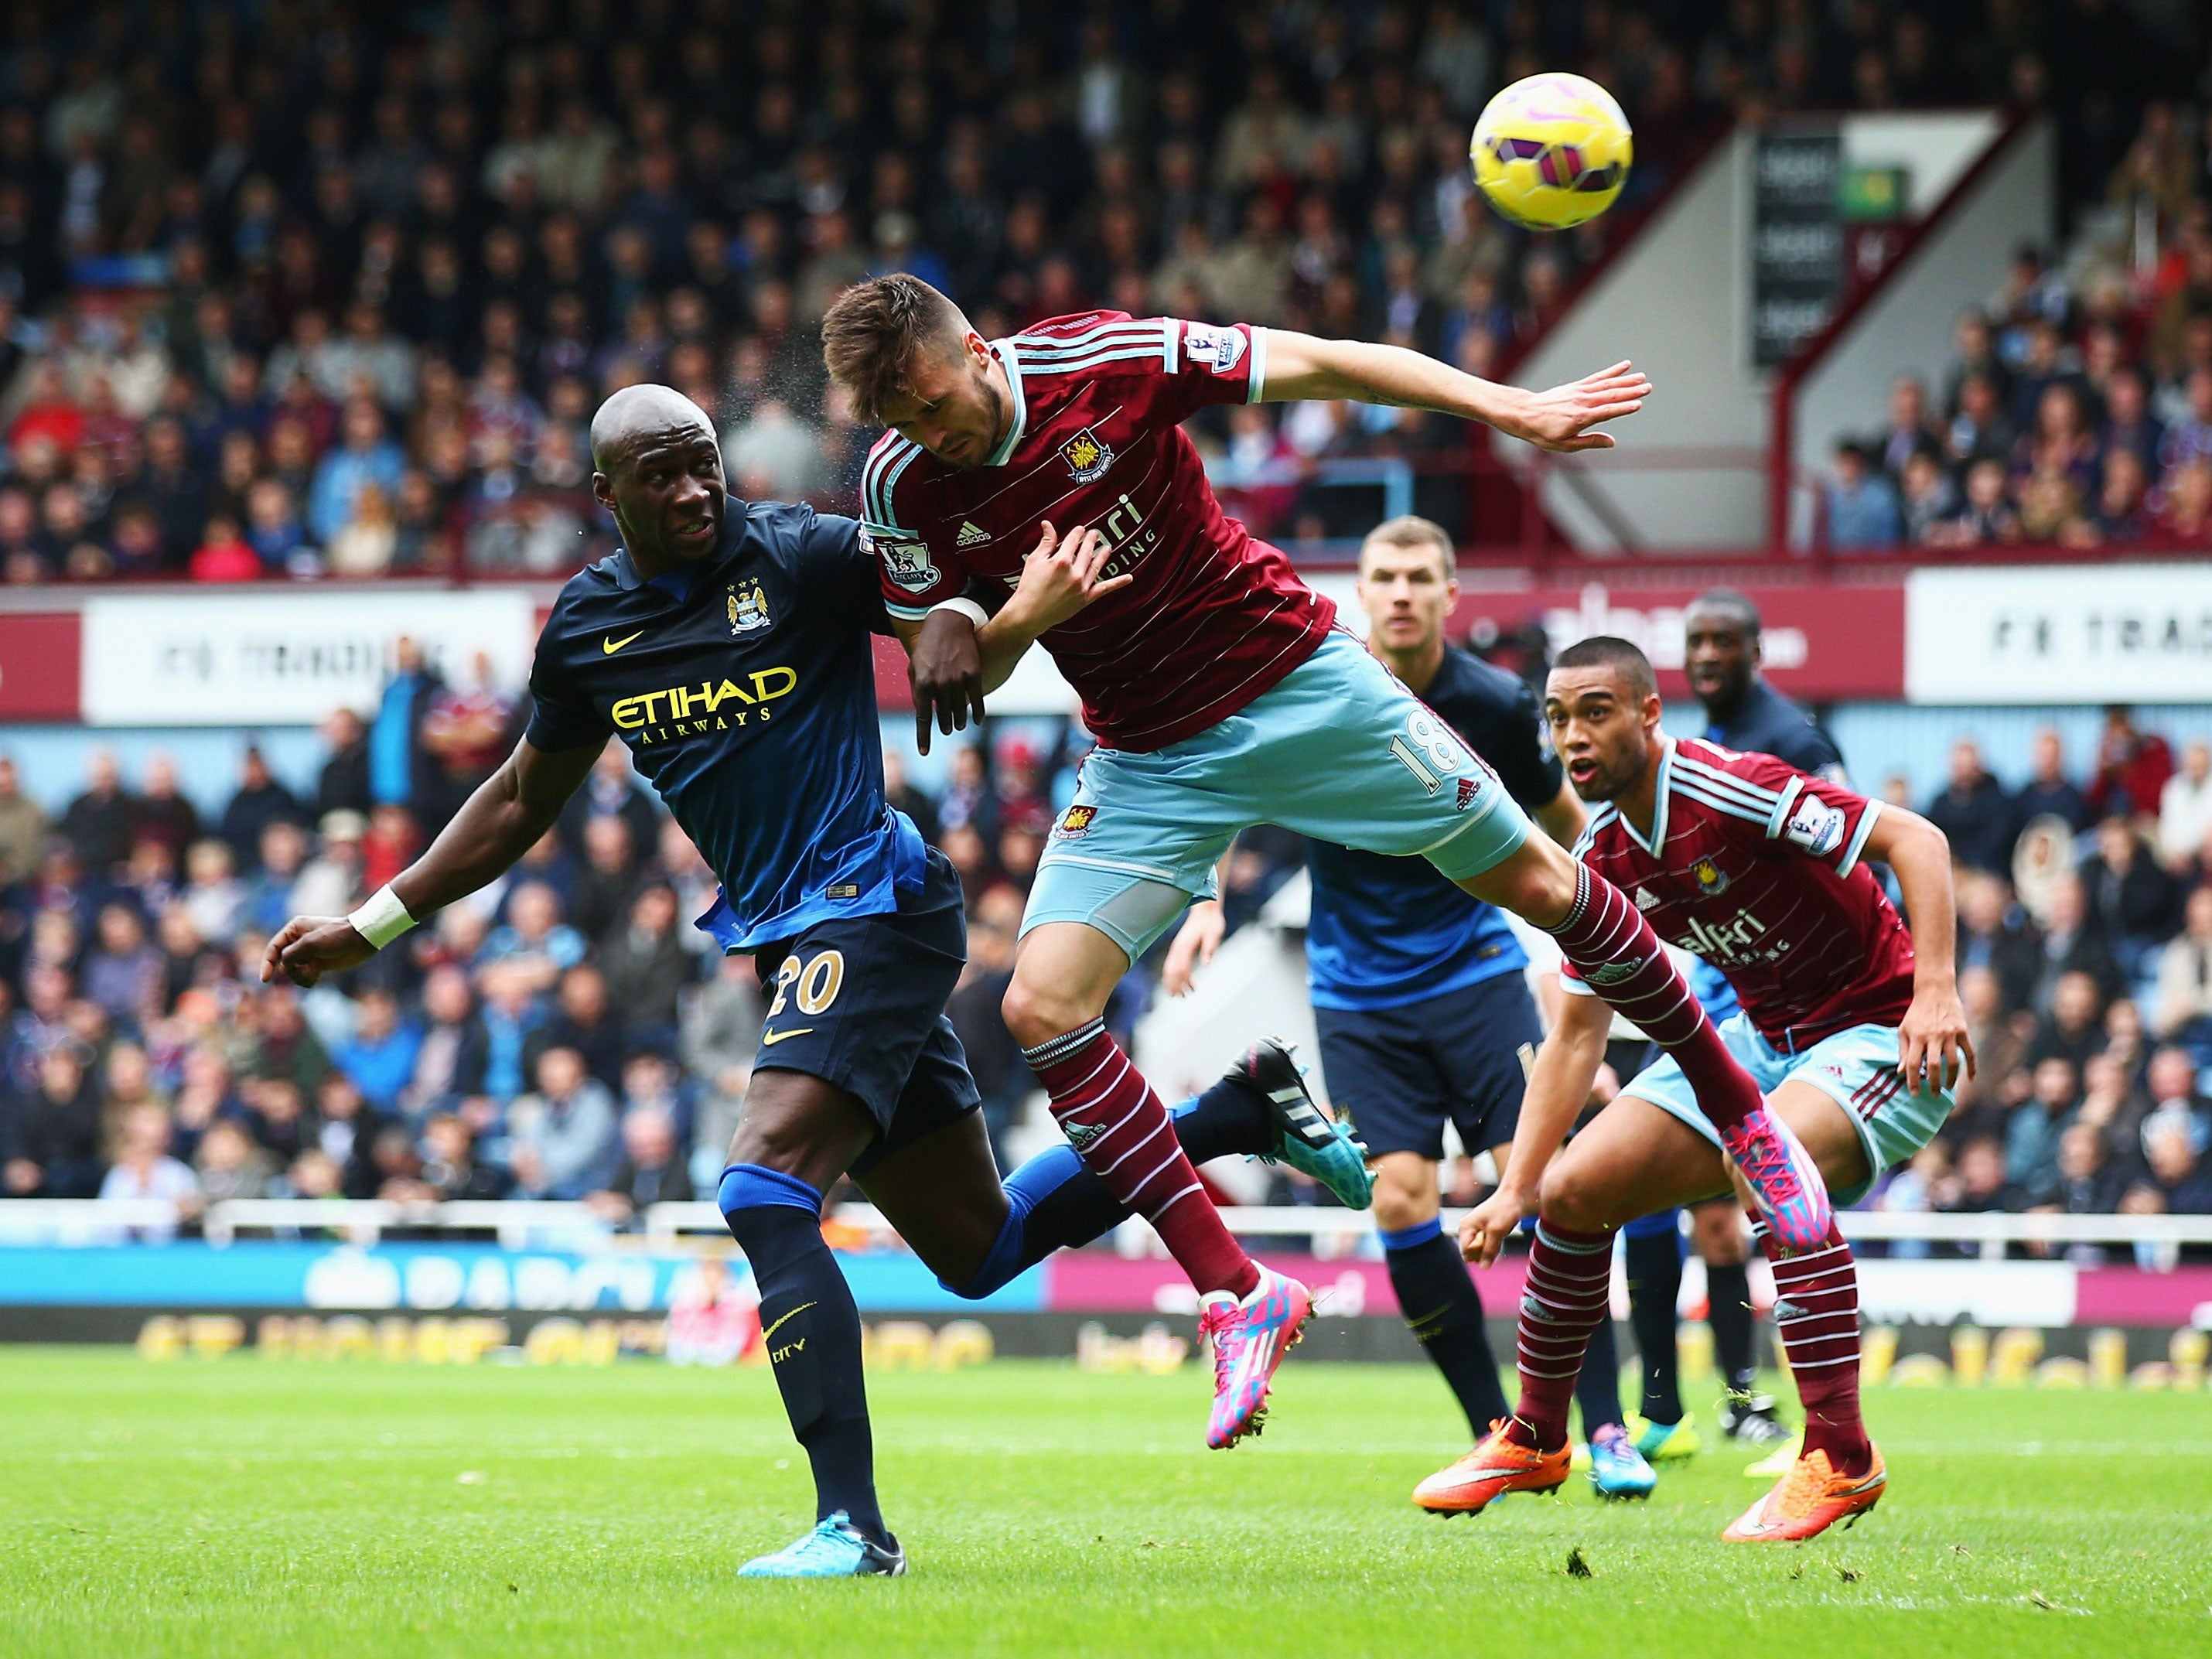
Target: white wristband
column 967, row 608
column 381, row 919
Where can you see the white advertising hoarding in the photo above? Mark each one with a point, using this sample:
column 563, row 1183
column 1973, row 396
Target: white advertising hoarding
column 2116, row 633
column 285, row 660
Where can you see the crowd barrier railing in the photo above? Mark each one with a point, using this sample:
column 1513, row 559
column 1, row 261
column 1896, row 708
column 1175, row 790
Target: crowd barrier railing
column 519, row 1225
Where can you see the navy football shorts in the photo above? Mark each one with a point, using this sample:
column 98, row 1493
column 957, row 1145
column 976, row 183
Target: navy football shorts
column 858, row 1001
column 1402, row 1071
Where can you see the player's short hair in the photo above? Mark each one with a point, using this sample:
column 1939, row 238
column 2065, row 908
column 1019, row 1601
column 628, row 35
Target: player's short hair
column 871, row 334
column 1411, row 530
column 1737, row 606
column 1608, row 651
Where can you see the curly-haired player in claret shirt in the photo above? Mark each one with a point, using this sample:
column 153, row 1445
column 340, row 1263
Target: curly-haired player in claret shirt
column 1223, row 695
column 1852, row 1025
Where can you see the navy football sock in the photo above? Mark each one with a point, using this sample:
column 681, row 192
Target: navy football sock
column 812, row 1331
column 1597, row 1389
column 1655, row 1287
column 1444, row 1311
column 1728, row 1310
column 1053, row 1201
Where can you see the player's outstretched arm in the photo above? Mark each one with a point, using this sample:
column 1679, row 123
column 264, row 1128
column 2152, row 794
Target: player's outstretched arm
column 1566, row 1066
column 1301, row 367
column 1933, row 1050
column 953, row 662
column 497, row 824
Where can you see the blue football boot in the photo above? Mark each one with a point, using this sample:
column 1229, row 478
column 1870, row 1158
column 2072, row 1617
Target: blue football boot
column 1616, row 1468
column 835, row 1549
column 1307, row 1139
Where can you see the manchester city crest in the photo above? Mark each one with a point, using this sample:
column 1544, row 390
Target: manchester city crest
column 748, row 608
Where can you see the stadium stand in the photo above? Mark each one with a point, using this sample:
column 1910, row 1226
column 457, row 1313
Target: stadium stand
column 333, row 295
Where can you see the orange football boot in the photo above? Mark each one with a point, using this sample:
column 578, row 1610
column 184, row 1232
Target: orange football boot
column 1493, row 1468
column 1808, row 1500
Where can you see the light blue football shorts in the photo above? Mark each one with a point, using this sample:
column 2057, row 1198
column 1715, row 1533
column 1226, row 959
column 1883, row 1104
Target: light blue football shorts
column 1856, row 1068
column 1338, row 750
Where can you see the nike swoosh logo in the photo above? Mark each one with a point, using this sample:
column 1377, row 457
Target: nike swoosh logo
column 779, row 1323
column 611, row 645
column 769, row 1039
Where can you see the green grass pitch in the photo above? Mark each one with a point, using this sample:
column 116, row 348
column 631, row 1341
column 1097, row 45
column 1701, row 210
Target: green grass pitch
column 244, row 1507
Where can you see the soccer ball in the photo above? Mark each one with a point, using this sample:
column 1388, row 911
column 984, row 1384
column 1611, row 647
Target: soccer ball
column 1551, row 151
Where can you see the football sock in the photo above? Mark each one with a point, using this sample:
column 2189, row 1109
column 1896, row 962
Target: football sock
column 1597, row 1385
column 1570, row 1284
column 1619, row 958
column 1112, row 1117
column 1444, row 1311
column 1655, row 1288
column 1816, row 1318
column 1054, row 1201
column 1728, row 1310
column 813, row 1333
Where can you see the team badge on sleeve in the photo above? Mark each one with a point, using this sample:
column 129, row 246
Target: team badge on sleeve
column 907, row 564
column 1220, row 349
column 1816, row 826
column 1087, row 456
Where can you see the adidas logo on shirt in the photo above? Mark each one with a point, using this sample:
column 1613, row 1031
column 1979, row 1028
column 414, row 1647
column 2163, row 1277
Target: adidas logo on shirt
column 971, row 534
column 1646, row 899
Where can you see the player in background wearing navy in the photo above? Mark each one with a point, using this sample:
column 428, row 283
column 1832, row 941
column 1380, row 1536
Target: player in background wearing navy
column 1420, row 993
column 1222, row 695
column 1851, row 1023
column 727, row 645
column 1721, row 655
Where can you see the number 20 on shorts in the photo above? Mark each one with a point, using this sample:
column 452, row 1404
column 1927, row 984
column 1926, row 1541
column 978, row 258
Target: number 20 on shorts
column 814, row 986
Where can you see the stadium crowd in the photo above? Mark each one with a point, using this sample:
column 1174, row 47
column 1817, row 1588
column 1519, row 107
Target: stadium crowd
column 568, row 1034
column 335, row 291
column 2076, row 408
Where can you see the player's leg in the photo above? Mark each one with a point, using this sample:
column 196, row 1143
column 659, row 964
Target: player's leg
column 1719, row 1235
column 1651, row 1249
column 943, row 1194
column 796, row 1134
column 1054, row 1008
column 1384, row 1069
column 1631, row 1158
column 1618, row 956
column 1839, row 1472
column 1347, row 753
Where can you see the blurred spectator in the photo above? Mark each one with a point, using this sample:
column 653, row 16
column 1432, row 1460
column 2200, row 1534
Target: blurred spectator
column 125, row 972
column 450, row 1062
column 99, row 822
column 535, row 941
column 2184, row 1005
column 2184, row 805
column 2132, row 766
column 229, row 1165
column 645, row 963
column 586, row 1020
column 379, row 1057
column 2136, row 901
column 565, row 1141
column 720, row 1029
column 651, row 1169
column 343, row 784
column 260, row 801
column 450, row 1168
column 53, row 1149
column 2049, row 792
column 1974, row 812
column 23, row 828
column 466, row 733
column 399, row 768
column 2033, row 1135
column 163, row 814
column 143, row 1168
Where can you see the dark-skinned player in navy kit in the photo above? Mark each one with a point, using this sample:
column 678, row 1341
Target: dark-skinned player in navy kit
column 727, row 645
